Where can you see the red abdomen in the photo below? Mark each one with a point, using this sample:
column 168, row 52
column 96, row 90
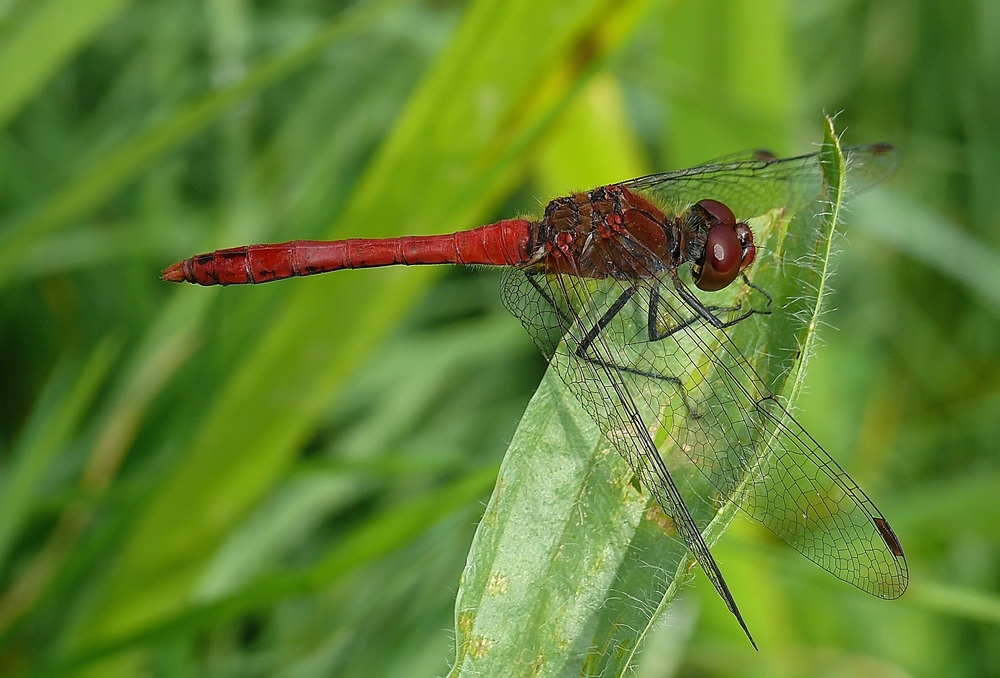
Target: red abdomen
column 505, row 243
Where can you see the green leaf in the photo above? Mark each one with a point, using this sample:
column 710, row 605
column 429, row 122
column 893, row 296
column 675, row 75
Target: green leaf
column 572, row 564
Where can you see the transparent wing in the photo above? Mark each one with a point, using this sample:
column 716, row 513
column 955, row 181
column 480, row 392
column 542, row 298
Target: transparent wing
column 644, row 364
column 589, row 316
column 735, row 430
column 755, row 182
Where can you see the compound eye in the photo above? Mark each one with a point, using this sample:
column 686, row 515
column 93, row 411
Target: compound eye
column 724, row 258
column 722, row 214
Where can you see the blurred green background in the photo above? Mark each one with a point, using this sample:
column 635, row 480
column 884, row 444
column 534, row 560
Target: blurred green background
column 284, row 480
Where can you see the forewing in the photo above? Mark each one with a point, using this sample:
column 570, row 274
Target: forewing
column 754, row 183
column 736, row 431
column 588, row 329
column 696, row 388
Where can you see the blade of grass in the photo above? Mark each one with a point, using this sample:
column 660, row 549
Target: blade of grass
column 937, row 243
column 126, row 406
column 42, row 41
column 53, row 423
column 957, row 601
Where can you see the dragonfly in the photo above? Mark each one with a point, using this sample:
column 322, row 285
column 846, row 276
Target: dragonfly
column 615, row 285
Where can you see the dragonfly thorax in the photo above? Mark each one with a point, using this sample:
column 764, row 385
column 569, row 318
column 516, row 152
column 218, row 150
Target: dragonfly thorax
column 607, row 232
column 612, row 232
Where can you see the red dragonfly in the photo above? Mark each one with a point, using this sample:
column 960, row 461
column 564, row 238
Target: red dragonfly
column 599, row 283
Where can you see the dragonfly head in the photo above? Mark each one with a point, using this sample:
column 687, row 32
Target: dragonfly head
column 729, row 248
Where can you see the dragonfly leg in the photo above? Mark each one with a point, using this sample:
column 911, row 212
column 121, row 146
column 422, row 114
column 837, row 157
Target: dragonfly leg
column 583, row 348
column 706, row 313
column 746, row 281
column 654, row 308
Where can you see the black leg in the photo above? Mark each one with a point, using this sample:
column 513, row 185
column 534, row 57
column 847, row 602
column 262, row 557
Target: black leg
column 703, row 312
column 582, row 350
column 654, row 331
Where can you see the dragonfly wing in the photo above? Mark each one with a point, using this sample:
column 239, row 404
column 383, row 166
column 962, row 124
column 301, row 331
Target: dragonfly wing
column 754, row 182
column 582, row 325
column 734, row 428
column 696, row 388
